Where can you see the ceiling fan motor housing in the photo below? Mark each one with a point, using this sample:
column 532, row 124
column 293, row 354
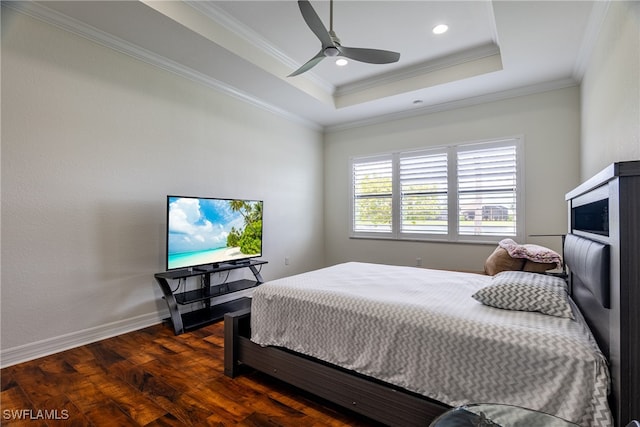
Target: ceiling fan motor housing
column 331, row 51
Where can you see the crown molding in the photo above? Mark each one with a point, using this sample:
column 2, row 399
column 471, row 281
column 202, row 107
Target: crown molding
column 461, row 57
column 457, row 104
column 218, row 15
column 59, row 20
column 221, row 17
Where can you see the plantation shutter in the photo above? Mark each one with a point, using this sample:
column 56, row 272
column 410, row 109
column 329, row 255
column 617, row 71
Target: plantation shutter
column 487, row 190
column 423, row 193
column 372, row 190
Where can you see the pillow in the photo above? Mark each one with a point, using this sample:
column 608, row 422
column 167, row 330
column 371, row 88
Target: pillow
column 538, row 267
column 500, row 260
column 523, row 291
column 535, row 253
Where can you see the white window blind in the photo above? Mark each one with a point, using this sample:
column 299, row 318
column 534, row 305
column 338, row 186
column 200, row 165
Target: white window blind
column 460, row 192
column 423, row 189
column 372, row 191
column 487, row 191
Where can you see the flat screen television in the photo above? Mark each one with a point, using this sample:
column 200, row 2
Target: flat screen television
column 205, row 231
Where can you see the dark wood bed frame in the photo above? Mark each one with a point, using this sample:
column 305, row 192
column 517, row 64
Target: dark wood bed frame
column 602, row 251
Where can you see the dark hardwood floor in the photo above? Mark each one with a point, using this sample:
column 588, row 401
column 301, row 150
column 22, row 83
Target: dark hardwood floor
column 152, row 377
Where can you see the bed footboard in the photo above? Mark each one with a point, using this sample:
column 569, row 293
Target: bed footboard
column 374, row 399
column 236, row 327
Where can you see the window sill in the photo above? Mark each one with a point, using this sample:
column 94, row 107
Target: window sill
column 432, row 239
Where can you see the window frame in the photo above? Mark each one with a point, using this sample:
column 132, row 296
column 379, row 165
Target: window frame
column 453, row 221
column 352, row 210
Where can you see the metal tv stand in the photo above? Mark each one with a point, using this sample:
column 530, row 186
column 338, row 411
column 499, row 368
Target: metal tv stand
column 209, row 313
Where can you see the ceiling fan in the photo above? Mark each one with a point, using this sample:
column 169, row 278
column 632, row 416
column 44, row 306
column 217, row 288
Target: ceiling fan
column 331, row 43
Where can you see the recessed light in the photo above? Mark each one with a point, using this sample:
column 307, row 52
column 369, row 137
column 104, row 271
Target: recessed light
column 440, row 29
column 341, row 62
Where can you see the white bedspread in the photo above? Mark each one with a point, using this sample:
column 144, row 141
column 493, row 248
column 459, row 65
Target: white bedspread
column 421, row 330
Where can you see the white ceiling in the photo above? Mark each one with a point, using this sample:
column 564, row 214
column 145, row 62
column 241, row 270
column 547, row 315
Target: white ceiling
column 493, row 49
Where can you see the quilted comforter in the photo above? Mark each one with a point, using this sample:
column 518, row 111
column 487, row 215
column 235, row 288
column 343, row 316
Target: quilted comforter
column 421, row 330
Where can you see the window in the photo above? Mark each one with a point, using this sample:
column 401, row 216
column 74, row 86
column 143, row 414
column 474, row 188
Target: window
column 423, row 193
column 372, row 188
column 465, row 192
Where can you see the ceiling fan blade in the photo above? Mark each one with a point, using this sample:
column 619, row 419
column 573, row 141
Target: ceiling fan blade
column 315, row 23
column 331, row 44
column 309, row 64
column 371, row 56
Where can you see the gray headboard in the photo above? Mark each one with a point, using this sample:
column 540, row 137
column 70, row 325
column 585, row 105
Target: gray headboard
column 604, row 215
column 589, row 262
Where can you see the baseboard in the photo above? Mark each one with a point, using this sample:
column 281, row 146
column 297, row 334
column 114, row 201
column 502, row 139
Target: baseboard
column 26, row 352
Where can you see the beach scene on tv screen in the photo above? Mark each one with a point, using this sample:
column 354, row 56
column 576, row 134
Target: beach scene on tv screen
column 210, row 231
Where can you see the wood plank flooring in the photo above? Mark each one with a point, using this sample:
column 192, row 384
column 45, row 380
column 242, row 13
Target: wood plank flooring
column 152, row 377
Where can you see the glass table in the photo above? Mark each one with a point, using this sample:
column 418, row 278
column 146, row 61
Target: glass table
column 497, row 415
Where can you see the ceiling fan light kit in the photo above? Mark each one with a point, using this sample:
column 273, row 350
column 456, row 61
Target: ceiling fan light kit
column 331, row 46
column 440, row 29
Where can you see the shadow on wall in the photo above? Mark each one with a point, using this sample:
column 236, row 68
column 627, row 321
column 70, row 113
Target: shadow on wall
column 129, row 236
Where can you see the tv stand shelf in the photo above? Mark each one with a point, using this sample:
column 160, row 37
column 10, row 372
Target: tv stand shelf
column 189, row 320
column 214, row 291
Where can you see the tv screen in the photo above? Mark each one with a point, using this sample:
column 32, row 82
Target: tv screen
column 203, row 231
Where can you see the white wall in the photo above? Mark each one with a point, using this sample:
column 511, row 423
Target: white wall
column 611, row 92
column 92, row 142
column 550, row 124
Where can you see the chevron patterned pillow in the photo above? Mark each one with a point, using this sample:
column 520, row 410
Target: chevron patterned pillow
column 522, row 291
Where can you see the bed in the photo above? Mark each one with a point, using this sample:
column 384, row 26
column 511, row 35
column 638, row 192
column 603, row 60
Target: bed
column 470, row 368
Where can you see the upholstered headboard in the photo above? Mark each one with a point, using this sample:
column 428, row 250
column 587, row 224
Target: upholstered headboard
column 589, row 262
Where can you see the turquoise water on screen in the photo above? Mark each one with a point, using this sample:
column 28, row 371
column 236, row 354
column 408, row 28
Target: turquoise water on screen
column 185, row 259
